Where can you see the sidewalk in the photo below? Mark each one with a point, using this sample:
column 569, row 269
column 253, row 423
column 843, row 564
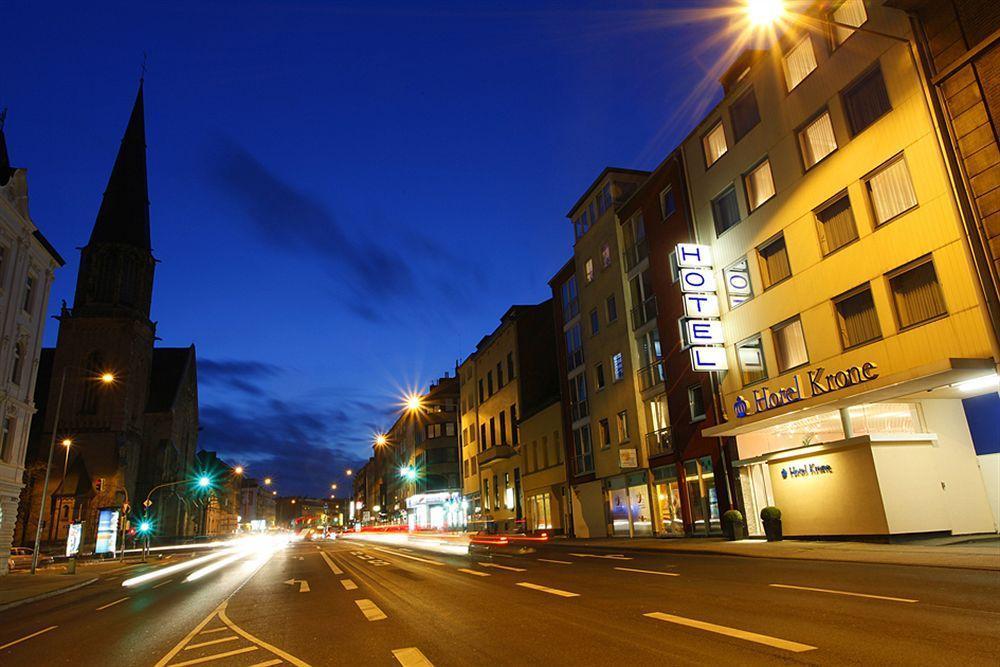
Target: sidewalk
column 21, row 587
column 966, row 555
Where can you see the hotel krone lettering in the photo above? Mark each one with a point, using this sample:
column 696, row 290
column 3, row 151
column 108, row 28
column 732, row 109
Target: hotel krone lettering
column 701, row 307
column 817, row 383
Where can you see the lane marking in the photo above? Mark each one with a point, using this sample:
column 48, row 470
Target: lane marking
column 267, row 663
column 475, row 572
column 833, row 592
column 348, row 584
column 217, row 656
column 222, row 640
column 112, row 604
column 27, row 637
column 411, row 657
column 303, row 584
column 611, row 556
column 745, row 635
column 213, row 630
column 503, row 567
column 422, row 560
column 163, row 583
column 561, row 562
column 632, row 569
column 260, row 642
column 546, row 589
column 370, row 610
column 329, row 561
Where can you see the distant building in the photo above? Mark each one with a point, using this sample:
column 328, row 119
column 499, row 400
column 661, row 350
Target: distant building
column 257, row 505
column 27, row 265
column 219, row 506
column 138, row 434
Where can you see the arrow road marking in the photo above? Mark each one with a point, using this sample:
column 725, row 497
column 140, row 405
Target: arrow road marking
column 503, row 567
column 303, row 584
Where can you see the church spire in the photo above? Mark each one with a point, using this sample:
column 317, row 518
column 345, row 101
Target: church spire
column 124, row 214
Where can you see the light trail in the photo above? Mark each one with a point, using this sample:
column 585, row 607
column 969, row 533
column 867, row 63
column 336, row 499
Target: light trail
column 172, row 569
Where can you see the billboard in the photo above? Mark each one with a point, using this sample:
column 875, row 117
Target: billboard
column 73, row 539
column 107, row 532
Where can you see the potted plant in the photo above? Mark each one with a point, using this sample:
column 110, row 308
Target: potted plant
column 733, row 525
column 771, row 516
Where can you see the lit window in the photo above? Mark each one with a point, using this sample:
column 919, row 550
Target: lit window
column 774, row 266
column 850, row 12
column 589, row 270
column 836, row 224
column 759, row 184
column 856, row 317
column 744, row 114
column 605, row 433
column 891, row 191
column 866, row 101
column 714, row 143
column 750, row 354
column 916, row 293
column 799, row 62
column 618, row 364
column 816, row 140
column 790, row 344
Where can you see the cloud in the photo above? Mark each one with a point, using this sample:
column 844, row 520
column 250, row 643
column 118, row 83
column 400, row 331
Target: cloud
column 240, row 374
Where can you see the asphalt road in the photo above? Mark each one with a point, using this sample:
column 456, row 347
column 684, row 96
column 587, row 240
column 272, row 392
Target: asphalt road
column 358, row 603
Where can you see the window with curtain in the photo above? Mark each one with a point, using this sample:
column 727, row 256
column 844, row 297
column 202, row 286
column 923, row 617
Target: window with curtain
column 866, row 101
column 856, row 317
column 817, row 140
column 750, row 354
column 759, row 185
column 891, row 191
column 851, row 12
column 774, row 266
column 916, row 294
column 725, row 210
column 798, row 62
column 790, row 344
column 714, row 144
column 744, row 114
column 836, row 224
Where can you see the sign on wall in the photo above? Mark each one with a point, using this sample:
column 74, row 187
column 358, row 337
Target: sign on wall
column 817, row 382
column 702, row 327
column 107, row 532
column 628, row 458
column 73, row 539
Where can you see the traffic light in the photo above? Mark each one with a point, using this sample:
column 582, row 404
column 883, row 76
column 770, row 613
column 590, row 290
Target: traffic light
column 145, row 527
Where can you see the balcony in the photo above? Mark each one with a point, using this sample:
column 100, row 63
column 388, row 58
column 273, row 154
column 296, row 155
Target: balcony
column 633, row 254
column 493, row 454
column 660, row 442
column 653, row 375
column 644, row 312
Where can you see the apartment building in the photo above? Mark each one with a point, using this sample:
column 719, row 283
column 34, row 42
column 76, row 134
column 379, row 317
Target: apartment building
column 512, row 367
column 851, row 323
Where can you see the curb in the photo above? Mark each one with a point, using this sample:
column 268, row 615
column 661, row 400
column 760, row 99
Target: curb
column 719, row 552
column 49, row 594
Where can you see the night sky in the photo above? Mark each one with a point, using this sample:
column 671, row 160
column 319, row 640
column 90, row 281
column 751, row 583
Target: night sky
column 344, row 198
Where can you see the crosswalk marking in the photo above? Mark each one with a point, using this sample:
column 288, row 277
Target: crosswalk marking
column 775, row 642
column 546, row 589
column 370, row 610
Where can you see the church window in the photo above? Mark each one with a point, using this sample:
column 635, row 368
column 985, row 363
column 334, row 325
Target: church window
column 18, row 365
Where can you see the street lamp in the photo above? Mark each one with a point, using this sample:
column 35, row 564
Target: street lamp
column 348, row 472
column 333, row 487
column 238, row 470
column 414, row 402
column 105, row 378
column 767, row 14
column 381, row 440
column 267, row 481
column 763, row 13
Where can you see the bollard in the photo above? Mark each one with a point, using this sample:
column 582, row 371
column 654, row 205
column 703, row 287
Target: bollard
column 71, row 565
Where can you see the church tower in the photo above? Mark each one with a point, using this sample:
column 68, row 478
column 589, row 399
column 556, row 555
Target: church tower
column 108, row 330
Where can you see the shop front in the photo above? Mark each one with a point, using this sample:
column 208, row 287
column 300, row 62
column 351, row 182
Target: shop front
column 630, row 511
column 442, row 510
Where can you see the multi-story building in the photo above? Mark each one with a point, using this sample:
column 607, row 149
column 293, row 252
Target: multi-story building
column 257, row 505
column 851, row 318
column 219, row 507
column 27, row 268
column 512, row 367
column 689, row 484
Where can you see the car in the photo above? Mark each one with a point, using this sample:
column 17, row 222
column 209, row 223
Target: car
column 20, row 558
column 491, row 540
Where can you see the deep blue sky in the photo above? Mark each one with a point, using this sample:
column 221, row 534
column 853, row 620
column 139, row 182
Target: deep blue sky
column 345, row 196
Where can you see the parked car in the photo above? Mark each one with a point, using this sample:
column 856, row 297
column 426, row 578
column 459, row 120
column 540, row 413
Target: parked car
column 20, row 558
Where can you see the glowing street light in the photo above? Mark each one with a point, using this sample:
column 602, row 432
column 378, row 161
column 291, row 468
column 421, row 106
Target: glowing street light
column 408, row 472
column 348, row 472
column 381, row 440
column 66, row 442
column 414, row 402
column 238, row 470
column 763, row 13
column 333, row 486
column 267, row 481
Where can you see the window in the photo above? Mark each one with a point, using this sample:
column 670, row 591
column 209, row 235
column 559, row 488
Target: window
column 605, row 255
column 816, row 139
column 916, row 293
column 493, row 432
column 891, row 191
column 835, row 222
column 851, row 12
column 574, row 347
column 696, row 402
column 510, row 366
column 578, row 397
column 18, row 364
column 570, row 302
column 595, row 322
column 499, row 374
column 496, row 493
column 790, row 344
column 503, row 427
column 589, row 270
column 604, row 200
column 618, row 366
column 866, row 100
column 744, row 114
column 604, row 433
column 513, row 425
column 774, row 266
column 7, row 439
column 489, row 383
column 759, row 184
column 750, row 354
column 668, row 203
column 612, row 309
column 725, row 211
column 486, row 493
column 29, row 292
column 481, row 395
column 738, row 287
column 599, row 376
column 482, row 439
column 798, row 63
column 433, row 431
column 622, row 426
column 583, row 453
column 856, row 317
column 714, row 143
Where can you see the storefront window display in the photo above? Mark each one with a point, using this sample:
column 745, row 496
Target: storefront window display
column 666, row 486
column 631, row 514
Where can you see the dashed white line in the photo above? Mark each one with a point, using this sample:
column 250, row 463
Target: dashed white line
column 776, row 642
column 833, row 592
column 632, row 569
column 610, row 556
column 503, row 567
column 112, row 604
column 370, row 610
column 546, row 589
column 333, row 566
column 552, row 560
column 27, row 637
column 163, row 583
column 411, row 657
column 348, row 584
column 474, row 572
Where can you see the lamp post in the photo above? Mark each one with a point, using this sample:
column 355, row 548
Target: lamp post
column 106, row 378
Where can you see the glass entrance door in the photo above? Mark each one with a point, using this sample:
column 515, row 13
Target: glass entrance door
column 666, row 487
column 703, row 501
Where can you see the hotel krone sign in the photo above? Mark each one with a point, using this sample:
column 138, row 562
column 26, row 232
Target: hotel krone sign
column 817, row 383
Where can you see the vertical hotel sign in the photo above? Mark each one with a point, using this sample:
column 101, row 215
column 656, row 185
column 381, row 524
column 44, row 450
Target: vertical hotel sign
column 701, row 307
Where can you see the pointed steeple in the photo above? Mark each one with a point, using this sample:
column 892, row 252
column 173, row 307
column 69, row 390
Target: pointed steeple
column 5, row 169
column 124, row 214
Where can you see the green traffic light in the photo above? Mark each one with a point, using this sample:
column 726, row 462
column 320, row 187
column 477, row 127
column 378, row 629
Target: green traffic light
column 145, row 527
column 204, row 481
